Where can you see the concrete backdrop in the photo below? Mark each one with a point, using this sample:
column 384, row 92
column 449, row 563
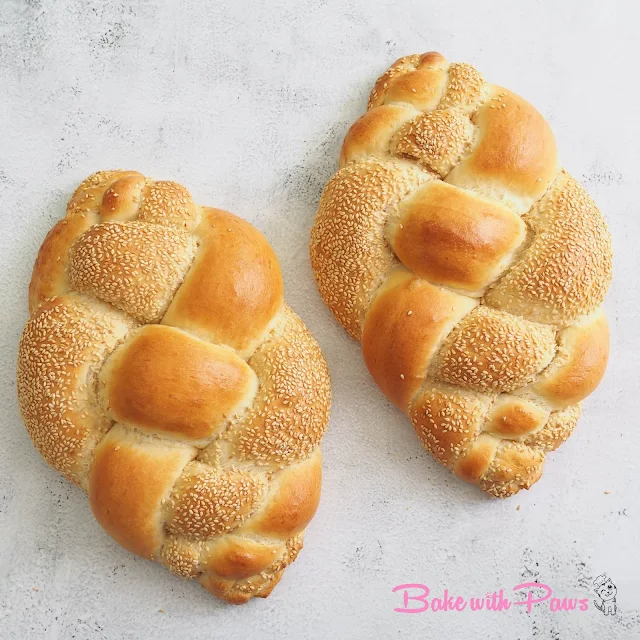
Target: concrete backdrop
column 246, row 104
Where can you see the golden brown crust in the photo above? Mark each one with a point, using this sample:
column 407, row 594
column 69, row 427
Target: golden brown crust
column 237, row 558
column 236, row 306
column 349, row 253
column 62, row 347
column 371, row 134
column 191, row 455
column 465, row 88
column 50, row 274
column 415, row 80
column 169, row 203
column 121, row 200
column 558, row 428
column 583, row 351
column 513, row 418
column 437, row 140
column 463, row 178
column 205, row 502
column 447, row 420
column 181, row 556
column 453, row 237
column 130, row 478
column 89, row 194
column 135, row 266
column 259, row 585
column 289, row 415
column 515, row 158
column 408, row 320
column 515, row 466
column 566, row 271
column 293, row 502
column 476, row 459
column 165, row 381
column 495, row 352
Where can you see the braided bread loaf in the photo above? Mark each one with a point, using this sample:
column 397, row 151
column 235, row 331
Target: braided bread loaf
column 470, row 266
column 162, row 372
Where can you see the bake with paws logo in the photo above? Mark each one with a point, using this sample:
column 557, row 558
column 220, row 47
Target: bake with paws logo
column 419, row 598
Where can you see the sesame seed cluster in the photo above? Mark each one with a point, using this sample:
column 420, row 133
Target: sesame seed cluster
column 162, row 372
column 471, row 267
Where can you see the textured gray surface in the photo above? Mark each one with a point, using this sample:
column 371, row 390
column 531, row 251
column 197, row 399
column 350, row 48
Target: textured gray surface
column 247, row 105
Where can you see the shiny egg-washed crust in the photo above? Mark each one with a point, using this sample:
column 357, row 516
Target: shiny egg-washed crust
column 162, row 372
column 471, row 267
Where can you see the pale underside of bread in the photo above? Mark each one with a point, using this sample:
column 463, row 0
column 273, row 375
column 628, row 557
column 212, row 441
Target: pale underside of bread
column 162, row 372
column 471, row 267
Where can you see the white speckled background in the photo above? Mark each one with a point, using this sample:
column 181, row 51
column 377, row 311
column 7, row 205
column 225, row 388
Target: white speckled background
column 247, row 105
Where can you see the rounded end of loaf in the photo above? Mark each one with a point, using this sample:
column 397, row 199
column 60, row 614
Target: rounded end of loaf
column 257, row 586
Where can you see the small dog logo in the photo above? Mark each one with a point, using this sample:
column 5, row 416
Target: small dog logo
column 606, row 591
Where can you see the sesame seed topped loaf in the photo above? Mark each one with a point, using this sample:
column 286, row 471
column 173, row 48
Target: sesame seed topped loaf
column 162, row 372
column 471, row 267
